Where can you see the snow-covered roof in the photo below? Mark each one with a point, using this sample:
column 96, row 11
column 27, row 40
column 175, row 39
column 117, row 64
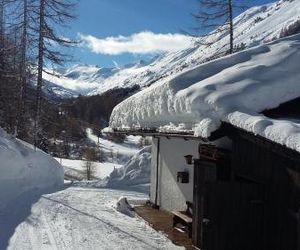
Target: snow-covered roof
column 234, row 89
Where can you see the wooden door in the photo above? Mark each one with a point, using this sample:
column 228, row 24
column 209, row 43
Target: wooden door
column 203, row 171
column 232, row 217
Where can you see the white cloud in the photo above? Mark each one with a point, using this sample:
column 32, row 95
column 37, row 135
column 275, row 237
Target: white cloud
column 140, row 43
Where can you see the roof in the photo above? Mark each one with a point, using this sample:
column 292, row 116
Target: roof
column 233, row 89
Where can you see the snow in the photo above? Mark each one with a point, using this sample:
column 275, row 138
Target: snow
column 76, row 168
column 116, row 152
column 79, row 79
column 78, row 218
column 135, row 174
column 233, row 89
column 124, row 207
column 128, row 169
column 126, row 165
column 257, row 25
column 182, row 97
column 23, row 169
column 71, row 216
column 285, row 132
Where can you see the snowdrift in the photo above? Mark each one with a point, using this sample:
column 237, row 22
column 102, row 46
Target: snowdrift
column 234, row 89
column 124, row 207
column 135, row 172
column 23, row 169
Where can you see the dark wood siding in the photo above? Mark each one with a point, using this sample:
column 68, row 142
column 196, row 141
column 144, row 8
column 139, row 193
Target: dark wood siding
column 256, row 161
column 234, row 216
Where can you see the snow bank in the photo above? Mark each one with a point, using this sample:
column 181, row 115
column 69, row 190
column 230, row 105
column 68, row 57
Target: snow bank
column 234, row 88
column 23, row 169
column 135, row 172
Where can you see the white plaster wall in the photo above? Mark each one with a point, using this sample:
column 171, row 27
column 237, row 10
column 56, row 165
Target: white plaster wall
column 172, row 195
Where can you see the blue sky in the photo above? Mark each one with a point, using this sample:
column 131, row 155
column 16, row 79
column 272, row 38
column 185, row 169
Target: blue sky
column 120, row 25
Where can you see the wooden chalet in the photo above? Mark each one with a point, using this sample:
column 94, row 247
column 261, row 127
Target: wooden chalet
column 245, row 197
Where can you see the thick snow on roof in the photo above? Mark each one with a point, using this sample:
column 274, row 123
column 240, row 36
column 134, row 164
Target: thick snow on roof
column 234, row 89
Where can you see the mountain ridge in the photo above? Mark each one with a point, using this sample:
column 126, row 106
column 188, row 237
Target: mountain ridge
column 255, row 26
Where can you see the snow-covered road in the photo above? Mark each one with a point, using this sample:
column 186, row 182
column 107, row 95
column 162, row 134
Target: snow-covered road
column 84, row 218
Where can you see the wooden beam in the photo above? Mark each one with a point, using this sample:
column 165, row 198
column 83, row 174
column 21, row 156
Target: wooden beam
column 151, row 133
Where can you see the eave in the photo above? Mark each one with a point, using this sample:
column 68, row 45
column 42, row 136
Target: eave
column 186, row 135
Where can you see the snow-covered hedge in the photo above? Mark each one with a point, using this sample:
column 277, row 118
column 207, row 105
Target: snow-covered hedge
column 23, row 169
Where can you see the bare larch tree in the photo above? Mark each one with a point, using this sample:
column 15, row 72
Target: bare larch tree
column 216, row 18
column 52, row 14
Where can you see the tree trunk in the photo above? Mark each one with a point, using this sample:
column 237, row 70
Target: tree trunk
column 40, row 71
column 23, row 67
column 2, row 33
column 1, row 23
column 230, row 25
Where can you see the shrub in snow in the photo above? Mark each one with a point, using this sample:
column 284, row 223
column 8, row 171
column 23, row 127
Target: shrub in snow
column 90, row 156
column 23, row 169
column 124, row 207
column 135, row 172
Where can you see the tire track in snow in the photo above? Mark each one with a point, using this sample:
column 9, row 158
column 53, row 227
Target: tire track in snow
column 85, row 218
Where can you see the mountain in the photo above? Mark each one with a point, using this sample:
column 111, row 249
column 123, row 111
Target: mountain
column 77, row 80
column 255, row 26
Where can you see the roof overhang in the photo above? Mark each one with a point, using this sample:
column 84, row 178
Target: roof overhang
column 186, row 135
column 226, row 129
column 263, row 142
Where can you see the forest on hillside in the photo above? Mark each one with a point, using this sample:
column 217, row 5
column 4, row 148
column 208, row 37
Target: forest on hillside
column 29, row 43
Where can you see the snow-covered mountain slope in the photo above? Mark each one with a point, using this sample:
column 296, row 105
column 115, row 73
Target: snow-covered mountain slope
column 86, row 79
column 255, row 26
column 80, row 79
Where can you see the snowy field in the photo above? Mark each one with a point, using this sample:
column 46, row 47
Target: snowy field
column 116, row 152
column 116, row 156
column 75, row 169
column 80, row 218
